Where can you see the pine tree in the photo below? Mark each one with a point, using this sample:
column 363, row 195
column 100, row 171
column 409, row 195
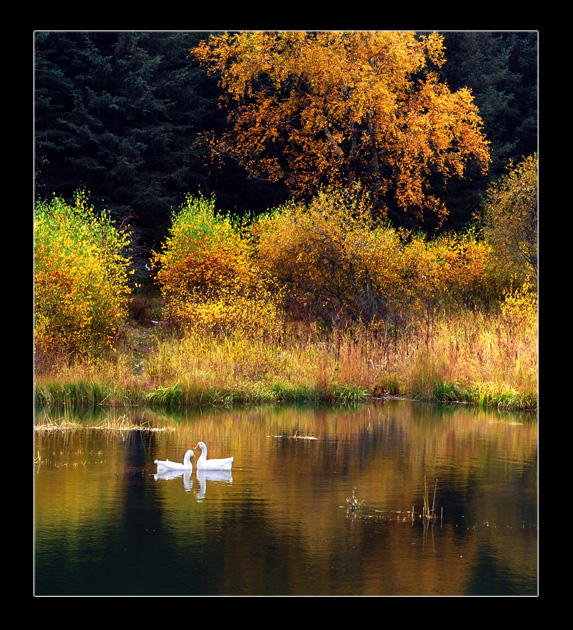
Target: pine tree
column 501, row 70
column 118, row 114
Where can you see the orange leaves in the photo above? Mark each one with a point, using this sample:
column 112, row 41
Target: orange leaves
column 437, row 130
column 203, row 253
column 335, row 107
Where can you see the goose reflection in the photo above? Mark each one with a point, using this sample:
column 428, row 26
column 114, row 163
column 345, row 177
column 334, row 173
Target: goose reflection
column 202, row 477
column 174, row 474
column 211, row 475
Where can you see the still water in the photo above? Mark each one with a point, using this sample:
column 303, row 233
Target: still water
column 320, row 501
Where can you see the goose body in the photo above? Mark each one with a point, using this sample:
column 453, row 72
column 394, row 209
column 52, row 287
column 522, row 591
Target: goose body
column 212, row 464
column 165, row 465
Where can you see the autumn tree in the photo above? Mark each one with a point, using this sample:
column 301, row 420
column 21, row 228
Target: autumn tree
column 334, row 108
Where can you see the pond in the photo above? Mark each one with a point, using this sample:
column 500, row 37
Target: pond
column 321, row 501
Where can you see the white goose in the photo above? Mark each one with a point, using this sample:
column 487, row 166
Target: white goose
column 212, row 464
column 164, row 465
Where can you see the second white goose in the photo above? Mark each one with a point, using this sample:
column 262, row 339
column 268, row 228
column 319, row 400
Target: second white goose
column 212, row 464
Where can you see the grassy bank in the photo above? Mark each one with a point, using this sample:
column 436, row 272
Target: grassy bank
column 472, row 357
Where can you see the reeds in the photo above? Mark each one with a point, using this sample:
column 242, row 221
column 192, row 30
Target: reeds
column 122, row 423
column 468, row 357
column 429, row 513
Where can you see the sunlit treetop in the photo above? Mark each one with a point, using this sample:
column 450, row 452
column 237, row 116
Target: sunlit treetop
column 338, row 107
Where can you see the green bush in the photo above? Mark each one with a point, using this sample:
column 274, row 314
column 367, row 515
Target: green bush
column 207, row 277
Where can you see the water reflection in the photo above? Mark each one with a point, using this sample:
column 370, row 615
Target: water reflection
column 280, row 525
column 176, row 474
column 211, row 475
column 202, row 477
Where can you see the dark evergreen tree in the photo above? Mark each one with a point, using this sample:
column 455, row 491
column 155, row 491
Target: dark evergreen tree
column 119, row 114
column 501, row 70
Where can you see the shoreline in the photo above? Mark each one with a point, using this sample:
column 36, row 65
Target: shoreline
column 57, row 392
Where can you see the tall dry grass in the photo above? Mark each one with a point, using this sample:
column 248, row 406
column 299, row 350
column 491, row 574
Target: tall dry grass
column 488, row 358
column 468, row 357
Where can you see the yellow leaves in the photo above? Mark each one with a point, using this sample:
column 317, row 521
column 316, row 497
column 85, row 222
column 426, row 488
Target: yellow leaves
column 322, row 256
column 255, row 314
column 451, row 268
column 204, row 252
column 434, row 44
column 519, row 307
column 337, row 264
column 81, row 289
column 510, row 221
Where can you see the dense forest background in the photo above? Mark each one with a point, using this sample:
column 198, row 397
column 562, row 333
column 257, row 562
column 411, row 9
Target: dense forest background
column 120, row 114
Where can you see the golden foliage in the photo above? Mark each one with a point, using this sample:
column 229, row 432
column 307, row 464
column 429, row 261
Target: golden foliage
column 202, row 254
column 255, row 314
column 450, row 268
column 323, row 254
column 337, row 107
column 519, row 307
column 336, row 263
column 510, row 221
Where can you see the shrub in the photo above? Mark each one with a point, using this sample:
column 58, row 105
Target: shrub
column 509, row 218
column 81, row 278
column 339, row 265
column 327, row 257
column 519, row 308
column 207, row 276
column 203, row 253
column 450, row 269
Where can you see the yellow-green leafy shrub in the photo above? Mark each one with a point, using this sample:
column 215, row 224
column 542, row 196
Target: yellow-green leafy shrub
column 206, row 274
column 81, row 278
column 519, row 308
column 203, row 253
column 509, row 220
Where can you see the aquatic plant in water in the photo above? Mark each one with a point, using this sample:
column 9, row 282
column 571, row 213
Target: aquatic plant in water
column 352, row 502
